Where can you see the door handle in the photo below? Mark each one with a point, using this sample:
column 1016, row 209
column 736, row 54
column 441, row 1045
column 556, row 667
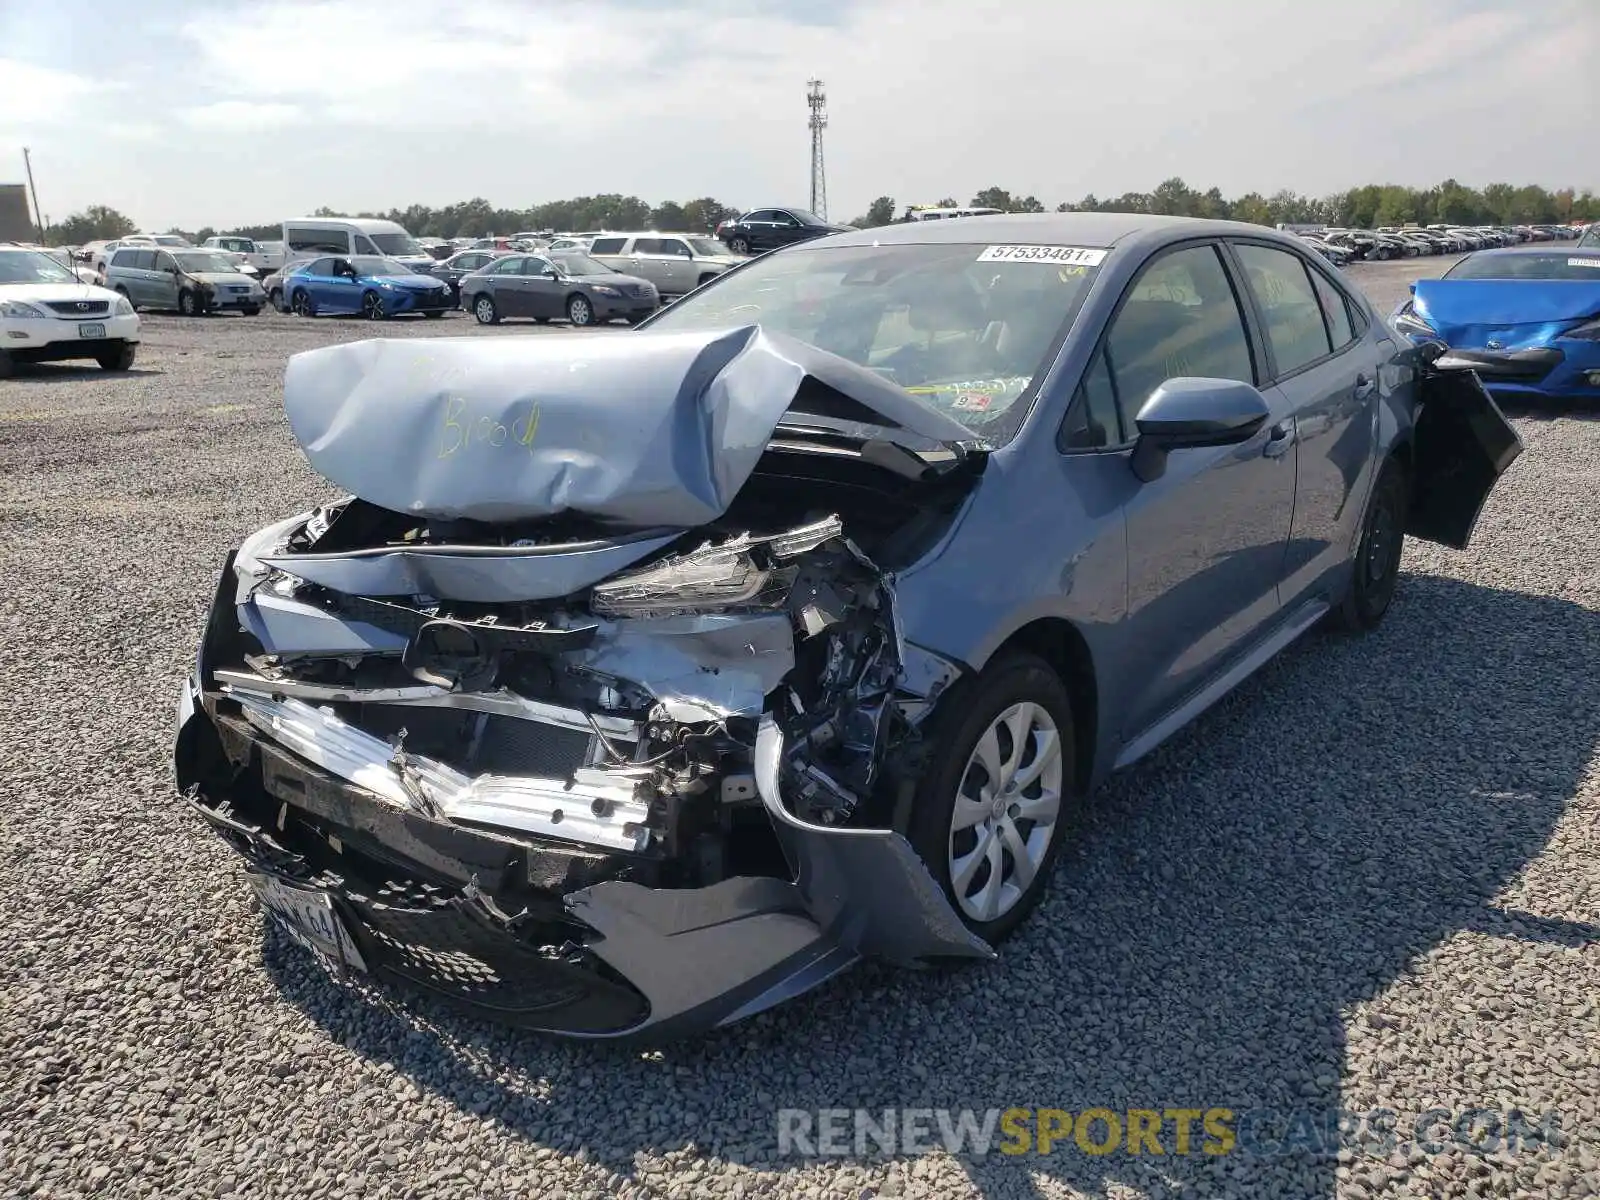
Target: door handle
column 1365, row 386
column 1281, row 438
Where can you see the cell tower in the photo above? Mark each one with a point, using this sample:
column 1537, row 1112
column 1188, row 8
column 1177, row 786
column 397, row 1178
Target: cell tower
column 817, row 101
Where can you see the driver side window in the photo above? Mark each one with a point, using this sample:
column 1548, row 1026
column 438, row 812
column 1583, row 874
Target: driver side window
column 507, row 266
column 1180, row 318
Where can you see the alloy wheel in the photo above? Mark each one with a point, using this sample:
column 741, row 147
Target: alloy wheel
column 483, row 309
column 1006, row 809
column 579, row 311
column 372, row 307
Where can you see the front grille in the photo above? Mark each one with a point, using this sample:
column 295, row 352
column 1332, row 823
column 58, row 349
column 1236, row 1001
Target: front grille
column 426, row 298
column 639, row 291
column 79, row 308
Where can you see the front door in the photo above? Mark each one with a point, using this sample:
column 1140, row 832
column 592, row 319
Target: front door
column 163, row 280
column 542, row 289
column 1206, row 539
column 340, row 287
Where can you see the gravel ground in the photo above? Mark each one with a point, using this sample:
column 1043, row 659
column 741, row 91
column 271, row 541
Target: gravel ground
column 1369, row 879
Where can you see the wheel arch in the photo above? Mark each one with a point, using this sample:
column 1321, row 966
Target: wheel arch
column 1059, row 642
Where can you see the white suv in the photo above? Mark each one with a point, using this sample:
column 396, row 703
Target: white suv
column 46, row 315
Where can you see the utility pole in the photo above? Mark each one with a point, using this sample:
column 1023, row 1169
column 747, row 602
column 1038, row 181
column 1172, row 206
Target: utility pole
column 34, row 192
column 817, row 102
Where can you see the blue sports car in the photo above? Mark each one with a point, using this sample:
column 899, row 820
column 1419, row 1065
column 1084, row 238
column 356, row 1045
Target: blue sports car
column 377, row 288
column 1526, row 320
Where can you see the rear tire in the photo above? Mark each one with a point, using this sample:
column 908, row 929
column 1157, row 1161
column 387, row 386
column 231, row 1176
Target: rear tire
column 251, row 312
column 959, row 807
column 302, row 305
column 1376, row 569
column 740, row 245
column 8, row 366
column 434, row 316
column 120, row 359
column 275, row 298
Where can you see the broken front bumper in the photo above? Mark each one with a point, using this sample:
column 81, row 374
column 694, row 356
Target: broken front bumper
column 528, row 931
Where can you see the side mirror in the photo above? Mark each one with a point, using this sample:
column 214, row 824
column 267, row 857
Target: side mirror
column 1189, row 412
column 550, row 273
column 1412, row 288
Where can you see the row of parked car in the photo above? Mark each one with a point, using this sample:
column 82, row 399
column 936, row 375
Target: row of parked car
column 1346, row 245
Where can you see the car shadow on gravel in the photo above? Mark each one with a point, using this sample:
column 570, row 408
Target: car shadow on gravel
column 53, row 373
column 1233, row 898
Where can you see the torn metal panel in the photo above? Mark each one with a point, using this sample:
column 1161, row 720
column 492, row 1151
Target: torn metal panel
column 867, row 887
column 700, row 667
column 497, row 575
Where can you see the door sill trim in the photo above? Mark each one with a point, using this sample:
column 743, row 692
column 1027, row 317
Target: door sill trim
column 1307, row 615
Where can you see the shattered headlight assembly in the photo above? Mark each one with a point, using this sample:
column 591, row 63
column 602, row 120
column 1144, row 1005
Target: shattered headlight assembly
column 1407, row 321
column 704, row 580
column 714, row 577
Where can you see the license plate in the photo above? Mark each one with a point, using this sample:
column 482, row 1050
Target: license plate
column 91, row 330
column 308, row 916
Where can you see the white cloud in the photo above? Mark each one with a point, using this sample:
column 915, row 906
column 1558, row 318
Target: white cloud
column 413, row 102
column 240, row 116
column 36, row 96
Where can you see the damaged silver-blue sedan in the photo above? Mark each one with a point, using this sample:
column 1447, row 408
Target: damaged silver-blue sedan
column 643, row 681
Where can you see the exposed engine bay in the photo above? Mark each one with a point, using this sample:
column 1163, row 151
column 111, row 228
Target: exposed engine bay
column 607, row 745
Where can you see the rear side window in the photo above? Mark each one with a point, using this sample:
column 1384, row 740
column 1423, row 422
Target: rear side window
column 1335, row 311
column 1289, row 305
column 507, row 266
column 364, row 245
column 1180, row 318
column 647, row 246
column 607, row 245
column 536, row 266
column 311, row 240
column 765, row 214
column 674, row 247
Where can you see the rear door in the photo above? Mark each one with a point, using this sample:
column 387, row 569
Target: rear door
column 646, row 261
column 1205, row 540
column 1327, row 376
column 611, row 251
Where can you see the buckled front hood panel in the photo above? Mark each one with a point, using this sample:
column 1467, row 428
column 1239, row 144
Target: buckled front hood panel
column 643, row 429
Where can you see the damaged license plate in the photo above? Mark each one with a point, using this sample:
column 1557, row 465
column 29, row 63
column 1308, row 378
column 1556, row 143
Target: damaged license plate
column 308, row 915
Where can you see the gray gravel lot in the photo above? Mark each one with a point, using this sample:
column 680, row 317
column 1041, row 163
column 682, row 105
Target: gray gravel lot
column 1371, row 878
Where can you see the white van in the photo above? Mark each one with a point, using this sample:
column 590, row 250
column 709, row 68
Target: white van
column 312, row 237
column 939, row 214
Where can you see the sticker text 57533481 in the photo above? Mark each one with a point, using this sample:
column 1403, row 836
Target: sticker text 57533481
column 1056, row 256
column 1584, row 262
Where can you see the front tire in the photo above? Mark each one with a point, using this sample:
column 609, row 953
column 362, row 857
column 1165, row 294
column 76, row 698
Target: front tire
column 580, row 311
column 993, row 807
column 740, row 245
column 253, row 311
column 8, row 365
column 1376, row 569
column 372, row 307
column 484, row 310
column 188, row 303
column 120, row 359
column 434, row 316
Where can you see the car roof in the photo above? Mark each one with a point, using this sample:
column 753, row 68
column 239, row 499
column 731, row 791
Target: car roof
column 1076, row 228
column 364, row 224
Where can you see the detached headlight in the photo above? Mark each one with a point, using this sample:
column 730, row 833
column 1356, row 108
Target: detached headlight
column 18, row 311
column 122, row 308
column 745, row 572
column 604, row 290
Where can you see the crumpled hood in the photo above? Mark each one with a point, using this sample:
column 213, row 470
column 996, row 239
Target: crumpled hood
column 643, row 429
column 222, row 278
column 1448, row 303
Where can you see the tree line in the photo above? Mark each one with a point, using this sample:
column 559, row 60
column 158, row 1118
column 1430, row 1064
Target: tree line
column 1365, row 207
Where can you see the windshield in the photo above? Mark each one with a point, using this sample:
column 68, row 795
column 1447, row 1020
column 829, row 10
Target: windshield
column 707, row 246
column 397, row 243
column 582, row 264
column 1590, row 238
column 206, row 260
column 964, row 336
column 30, row 266
column 366, row 264
column 169, row 239
column 1527, row 266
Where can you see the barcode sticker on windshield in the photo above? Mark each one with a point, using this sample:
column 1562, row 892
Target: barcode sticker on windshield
column 1583, row 262
column 1076, row 256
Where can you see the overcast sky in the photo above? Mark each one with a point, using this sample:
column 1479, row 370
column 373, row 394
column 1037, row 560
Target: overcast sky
column 223, row 112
